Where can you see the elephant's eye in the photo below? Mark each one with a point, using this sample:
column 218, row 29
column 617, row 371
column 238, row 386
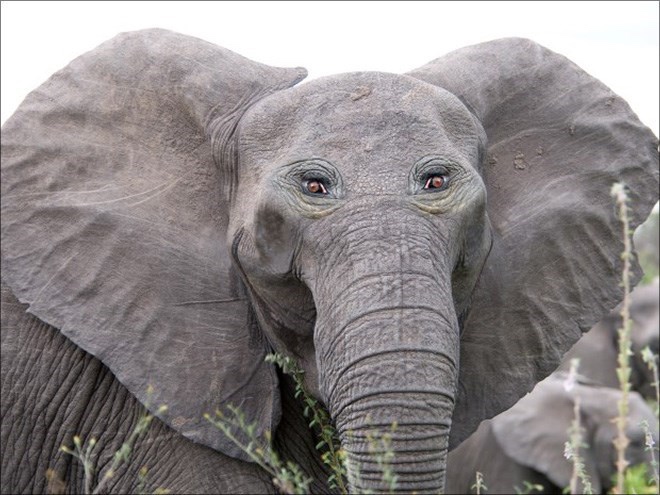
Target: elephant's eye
column 315, row 186
column 436, row 182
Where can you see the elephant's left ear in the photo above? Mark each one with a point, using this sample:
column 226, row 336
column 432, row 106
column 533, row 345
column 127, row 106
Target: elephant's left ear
column 558, row 140
column 115, row 208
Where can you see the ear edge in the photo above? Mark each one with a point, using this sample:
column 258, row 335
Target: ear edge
column 22, row 281
column 477, row 75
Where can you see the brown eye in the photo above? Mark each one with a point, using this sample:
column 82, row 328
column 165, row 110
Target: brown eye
column 435, row 182
column 315, row 186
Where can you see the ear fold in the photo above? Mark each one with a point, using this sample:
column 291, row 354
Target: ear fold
column 114, row 220
column 558, row 140
column 535, row 430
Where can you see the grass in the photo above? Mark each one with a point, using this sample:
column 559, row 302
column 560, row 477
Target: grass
column 635, row 481
column 628, row 479
column 329, row 445
column 479, row 483
column 527, row 488
column 650, row 448
column 85, row 454
column 621, row 442
column 288, row 477
column 575, row 439
column 380, row 446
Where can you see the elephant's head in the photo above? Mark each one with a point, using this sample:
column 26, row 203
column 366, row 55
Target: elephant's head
column 534, row 431
column 426, row 245
column 363, row 229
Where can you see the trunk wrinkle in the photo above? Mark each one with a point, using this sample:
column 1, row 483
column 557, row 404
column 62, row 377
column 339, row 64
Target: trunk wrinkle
column 424, row 475
column 344, row 370
column 426, row 424
column 427, row 485
column 366, row 409
column 433, row 455
column 384, row 276
column 378, row 392
column 396, row 437
column 444, row 321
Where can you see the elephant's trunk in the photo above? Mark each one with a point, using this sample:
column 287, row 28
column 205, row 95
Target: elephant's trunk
column 394, row 420
column 393, row 401
column 413, row 461
column 387, row 350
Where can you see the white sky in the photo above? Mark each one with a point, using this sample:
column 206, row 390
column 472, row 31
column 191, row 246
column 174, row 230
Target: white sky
column 617, row 42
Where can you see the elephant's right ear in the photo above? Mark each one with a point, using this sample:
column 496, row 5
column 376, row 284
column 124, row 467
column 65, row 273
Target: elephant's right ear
column 114, row 217
column 558, row 139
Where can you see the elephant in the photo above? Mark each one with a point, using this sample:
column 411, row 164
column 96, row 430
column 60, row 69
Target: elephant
column 424, row 245
column 647, row 245
column 598, row 349
column 526, row 442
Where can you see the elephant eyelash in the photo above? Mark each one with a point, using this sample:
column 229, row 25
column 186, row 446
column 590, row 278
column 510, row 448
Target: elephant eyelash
column 433, row 174
column 315, row 178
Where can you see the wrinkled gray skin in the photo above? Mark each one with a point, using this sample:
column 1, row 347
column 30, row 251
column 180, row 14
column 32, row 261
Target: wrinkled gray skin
column 48, row 380
column 526, row 443
column 598, row 349
column 159, row 224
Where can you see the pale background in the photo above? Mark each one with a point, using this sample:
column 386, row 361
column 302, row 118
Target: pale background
column 617, row 42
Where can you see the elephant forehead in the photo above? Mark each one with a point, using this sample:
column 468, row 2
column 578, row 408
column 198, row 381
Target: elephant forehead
column 360, row 122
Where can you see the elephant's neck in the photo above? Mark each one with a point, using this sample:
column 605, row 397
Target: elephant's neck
column 295, row 441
